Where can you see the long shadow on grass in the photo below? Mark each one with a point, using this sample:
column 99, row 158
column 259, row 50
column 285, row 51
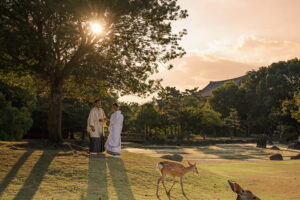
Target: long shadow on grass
column 14, row 170
column 234, row 152
column 119, row 178
column 97, row 185
column 97, row 179
column 36, row 176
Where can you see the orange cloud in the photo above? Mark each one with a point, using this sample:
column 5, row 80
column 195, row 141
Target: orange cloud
column 222, row 60
column 196, row 71
column 226, row 59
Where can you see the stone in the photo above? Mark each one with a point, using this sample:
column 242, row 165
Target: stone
column 174, row 157
column 275, row 148
column 276, row 157
column 297, row 157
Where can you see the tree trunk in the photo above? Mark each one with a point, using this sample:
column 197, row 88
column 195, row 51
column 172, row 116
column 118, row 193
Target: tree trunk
column 145, row 133
column 231, row 133
column 83, row 135
column 204, row 136
column 72, row 135
column 215, row 132
column 247, row 131
column 55, row 112
column 234, row 131
column 297, row 127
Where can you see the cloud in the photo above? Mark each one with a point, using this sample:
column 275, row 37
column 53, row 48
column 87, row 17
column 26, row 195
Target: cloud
column 253, row 50
column 196, row 71
column 225, row 59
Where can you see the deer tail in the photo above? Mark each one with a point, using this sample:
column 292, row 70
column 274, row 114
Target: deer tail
column 160, row 165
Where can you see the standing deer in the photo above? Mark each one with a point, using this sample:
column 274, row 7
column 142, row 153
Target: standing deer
column 175, row 170
column 242, row 194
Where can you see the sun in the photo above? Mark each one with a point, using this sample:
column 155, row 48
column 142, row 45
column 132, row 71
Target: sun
column 96, row 28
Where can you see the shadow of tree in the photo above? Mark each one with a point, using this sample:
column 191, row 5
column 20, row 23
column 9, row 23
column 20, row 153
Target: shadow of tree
column 165, row 149
column 97, row 178
column 12, row 173
column 97, row 184
column 119, row 178
column 36, row 176
column 234, row 152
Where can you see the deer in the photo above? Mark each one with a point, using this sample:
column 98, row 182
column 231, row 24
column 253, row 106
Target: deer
column 175, row 170
column 242, row 194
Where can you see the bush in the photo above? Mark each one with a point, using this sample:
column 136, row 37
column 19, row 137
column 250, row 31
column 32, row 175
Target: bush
column 18, row 97
column 159, row 139
column 288, row 134
column 39, row 127
column 14, row 122
column 74, row 118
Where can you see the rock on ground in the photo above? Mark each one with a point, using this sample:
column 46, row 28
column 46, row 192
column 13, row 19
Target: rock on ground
column 297, row 157
column 174, row 157
column 276, row 157
column 275, row 148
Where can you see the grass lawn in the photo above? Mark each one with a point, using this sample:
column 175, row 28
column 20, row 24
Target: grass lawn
column 27, row 172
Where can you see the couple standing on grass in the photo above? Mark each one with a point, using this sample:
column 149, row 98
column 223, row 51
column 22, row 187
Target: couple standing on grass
column 95, row 126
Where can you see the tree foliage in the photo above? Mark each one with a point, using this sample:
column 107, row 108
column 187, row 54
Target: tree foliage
column 177, row 115
column 224, row 98
column 265, row 101
column 52, row 40
column 14, row 122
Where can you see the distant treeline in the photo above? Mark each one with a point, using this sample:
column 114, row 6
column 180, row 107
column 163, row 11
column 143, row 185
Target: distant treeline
column 266, row 103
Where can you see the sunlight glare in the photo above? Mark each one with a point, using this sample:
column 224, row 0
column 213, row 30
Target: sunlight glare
column 96, row 28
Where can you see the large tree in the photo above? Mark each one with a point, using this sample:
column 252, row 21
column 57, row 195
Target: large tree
column 168, row 101
column 225, row 98
column 54, row 42
column 265, row 92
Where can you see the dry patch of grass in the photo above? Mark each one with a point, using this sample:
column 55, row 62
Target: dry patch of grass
column 36, row 173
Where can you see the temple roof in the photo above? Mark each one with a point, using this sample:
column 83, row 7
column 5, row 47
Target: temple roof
column 206, row 91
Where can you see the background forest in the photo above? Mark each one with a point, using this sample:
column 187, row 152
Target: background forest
column 265, row 104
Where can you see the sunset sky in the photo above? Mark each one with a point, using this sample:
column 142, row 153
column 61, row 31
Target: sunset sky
column 227, row 38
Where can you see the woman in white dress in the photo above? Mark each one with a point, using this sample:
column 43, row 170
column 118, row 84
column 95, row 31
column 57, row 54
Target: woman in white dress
column 113, row 143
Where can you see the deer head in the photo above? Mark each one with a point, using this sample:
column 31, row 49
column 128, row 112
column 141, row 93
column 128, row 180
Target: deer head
column 193, row 167
column 242, row 194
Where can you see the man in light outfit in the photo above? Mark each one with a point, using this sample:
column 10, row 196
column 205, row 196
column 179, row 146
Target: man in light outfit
column 95, row 126
column 113, row 143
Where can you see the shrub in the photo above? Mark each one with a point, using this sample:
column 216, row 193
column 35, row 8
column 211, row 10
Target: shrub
column 17, row 96
column 75, row 115
column 14, row 122
column 288, row 134
column 39, row 127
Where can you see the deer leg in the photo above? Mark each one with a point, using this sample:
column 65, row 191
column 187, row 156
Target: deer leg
column 162, row 179
column 158, row 181
column 163, row 182
column 182, row 187
column 168, row 193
